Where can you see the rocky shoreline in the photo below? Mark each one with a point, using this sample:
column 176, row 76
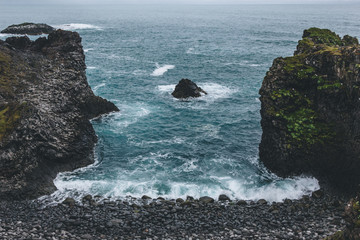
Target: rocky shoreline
column 313, row 217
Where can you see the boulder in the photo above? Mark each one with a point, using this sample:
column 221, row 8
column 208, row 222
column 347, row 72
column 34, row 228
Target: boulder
column 206, row 199
column 187, row 88
column 29, row 29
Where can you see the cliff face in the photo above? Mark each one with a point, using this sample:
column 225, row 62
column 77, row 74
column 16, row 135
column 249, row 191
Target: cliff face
column 310, row 109
column 45, row 107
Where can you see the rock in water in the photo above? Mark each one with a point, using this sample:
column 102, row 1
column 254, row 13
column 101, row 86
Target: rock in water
column 45, row 107
column 29, row 28
column 310, row 109
column 187, row 88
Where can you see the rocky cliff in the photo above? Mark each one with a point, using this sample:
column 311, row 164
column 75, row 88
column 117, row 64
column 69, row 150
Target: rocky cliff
column 45, row 107
column 310, row 109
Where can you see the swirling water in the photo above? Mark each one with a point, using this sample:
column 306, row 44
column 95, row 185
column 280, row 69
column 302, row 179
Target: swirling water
column 160, row 146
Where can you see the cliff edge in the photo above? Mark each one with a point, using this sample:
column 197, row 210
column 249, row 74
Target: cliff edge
column 45, row 107
column 310, row 109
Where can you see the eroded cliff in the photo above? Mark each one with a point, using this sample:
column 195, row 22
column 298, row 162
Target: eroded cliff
column 45, row 107
column 310, row 110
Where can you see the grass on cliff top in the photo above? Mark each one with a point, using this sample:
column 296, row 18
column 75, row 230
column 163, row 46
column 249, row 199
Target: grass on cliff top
column 322, row 36
column 5, row 74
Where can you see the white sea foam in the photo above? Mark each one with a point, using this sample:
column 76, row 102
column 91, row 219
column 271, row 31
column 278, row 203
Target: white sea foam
column 139, row 72
column 99, row 86
column 190, row 51
column 88, row 49
column 160, row 70
column 166, row 88
column 90, row 67
column 128, row 115
column 214, row 91
column 277, row 191
column 77, row 26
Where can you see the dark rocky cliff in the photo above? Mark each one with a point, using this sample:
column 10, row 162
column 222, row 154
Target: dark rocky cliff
column 45, row 107
column 310, row 109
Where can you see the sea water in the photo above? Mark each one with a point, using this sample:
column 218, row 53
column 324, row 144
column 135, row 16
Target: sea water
column 160, row 146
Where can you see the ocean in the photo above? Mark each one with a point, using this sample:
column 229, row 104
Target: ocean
column 163, row 147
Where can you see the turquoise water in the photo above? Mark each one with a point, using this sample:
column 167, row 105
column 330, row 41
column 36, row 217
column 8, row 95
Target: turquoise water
column 160, row 146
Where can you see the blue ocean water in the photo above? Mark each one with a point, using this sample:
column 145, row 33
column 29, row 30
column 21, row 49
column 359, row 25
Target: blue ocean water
column 160, row 146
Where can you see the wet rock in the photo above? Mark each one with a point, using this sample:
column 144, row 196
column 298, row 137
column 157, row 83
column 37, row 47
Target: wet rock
column 69, row 201
column 87, row 198
column 317, row 194
column 189, row 198
column 47, row 127
column 241, row 202
column 206, row 199
column 187, row 88
column 308, row 124
column 223, row 197
column 262, row 202
column 29, row 28
column 179, row 200
column 145, row 197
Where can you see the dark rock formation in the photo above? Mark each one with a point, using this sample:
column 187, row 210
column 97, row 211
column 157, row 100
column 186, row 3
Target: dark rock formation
column 45, row 107
column 187, row 88
column 29, row 28
column 311, row 113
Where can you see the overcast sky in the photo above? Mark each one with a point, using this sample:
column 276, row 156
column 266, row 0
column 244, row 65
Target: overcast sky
column 180, row 1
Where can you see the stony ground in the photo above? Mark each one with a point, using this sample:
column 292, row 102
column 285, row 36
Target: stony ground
column 308, row 218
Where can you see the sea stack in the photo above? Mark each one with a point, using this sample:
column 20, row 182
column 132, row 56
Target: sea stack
column 29, row 29
column 310, row 109
column 187, row 88
column 45, row 107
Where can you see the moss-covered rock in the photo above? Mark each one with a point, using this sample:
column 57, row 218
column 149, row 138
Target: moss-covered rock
column 310, row 110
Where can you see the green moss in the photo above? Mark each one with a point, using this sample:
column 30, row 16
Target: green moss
column 349, row 41
column 330, row 85
column 322, row 36
column 6, row 79
column 296, row 65
column 303, row 125
column 9, row 117
column 333, row 50
column 305, row 45
column 304, row 128
column 293, row 63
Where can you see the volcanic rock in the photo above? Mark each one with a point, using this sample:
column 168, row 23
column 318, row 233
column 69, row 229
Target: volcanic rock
column 310, row 111
column 45, row 107
column 187, row 88
column 29, row 28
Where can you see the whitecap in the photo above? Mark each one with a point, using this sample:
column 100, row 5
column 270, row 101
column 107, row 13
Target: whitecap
column 77, row 26
column 214, row 91
column 139, row 72
column 166, row 88
column 128, row 115
column 190, row 51
column 99, row 86
column 160, row 70
column 90, row 67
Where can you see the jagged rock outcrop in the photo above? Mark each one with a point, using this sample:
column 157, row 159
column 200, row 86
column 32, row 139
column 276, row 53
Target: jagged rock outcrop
column 187, row 88
column 29, row 28
column 310, row 109
column 45, row 107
